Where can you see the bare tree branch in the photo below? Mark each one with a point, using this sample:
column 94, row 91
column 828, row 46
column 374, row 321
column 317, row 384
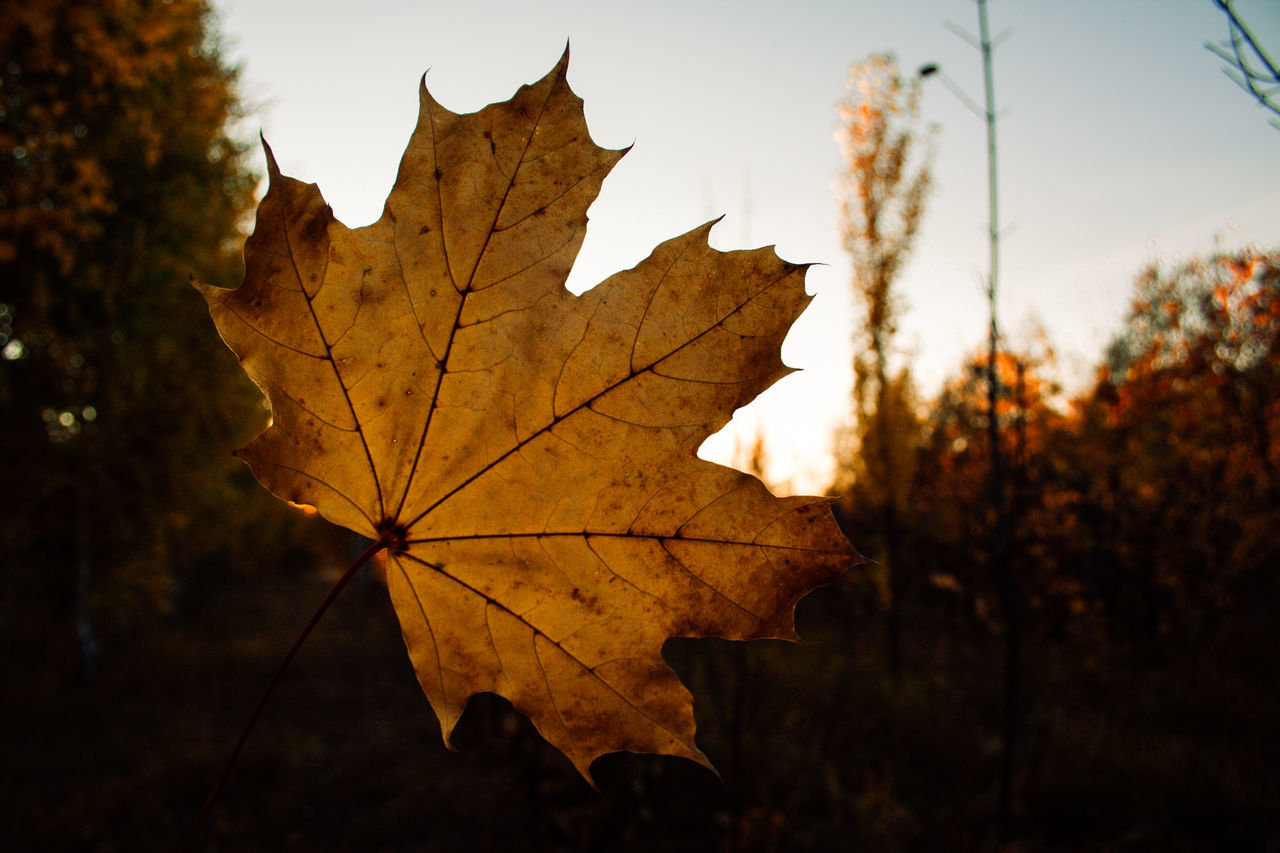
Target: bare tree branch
column 1249, row 66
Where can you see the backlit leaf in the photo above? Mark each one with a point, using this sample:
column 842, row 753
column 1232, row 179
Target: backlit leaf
column 528, row 455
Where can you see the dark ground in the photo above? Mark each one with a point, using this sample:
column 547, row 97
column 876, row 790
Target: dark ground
column 1173, row 754
column 347, row 756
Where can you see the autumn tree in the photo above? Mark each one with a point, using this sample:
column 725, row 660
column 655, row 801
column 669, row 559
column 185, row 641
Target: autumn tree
column 1191, row 392
column 119, row 179
column 882, row 191
column 950, row 510
column 1143, row 510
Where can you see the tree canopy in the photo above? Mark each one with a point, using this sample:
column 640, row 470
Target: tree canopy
column 120, row 177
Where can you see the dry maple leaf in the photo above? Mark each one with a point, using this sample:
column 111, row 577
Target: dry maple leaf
column 528, row 456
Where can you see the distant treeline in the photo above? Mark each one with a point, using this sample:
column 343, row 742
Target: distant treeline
column 1145, row 509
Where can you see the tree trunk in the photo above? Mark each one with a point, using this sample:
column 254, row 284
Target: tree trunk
column 86, row 637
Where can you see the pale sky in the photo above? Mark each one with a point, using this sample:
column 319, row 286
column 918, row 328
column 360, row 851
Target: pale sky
column 1121, row 142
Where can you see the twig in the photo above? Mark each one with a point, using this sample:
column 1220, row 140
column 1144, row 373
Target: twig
column 1262, row 83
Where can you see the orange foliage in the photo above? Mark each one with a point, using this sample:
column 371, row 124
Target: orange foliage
column 1145, row 507
column 72, row 84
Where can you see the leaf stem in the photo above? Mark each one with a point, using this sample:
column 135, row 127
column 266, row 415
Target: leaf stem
column 364, row 557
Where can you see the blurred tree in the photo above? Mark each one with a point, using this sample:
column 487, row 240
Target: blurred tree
column 1191, row 391
column 1145, row 510
column 950, row 506
column 882, row 192
column 119, row 178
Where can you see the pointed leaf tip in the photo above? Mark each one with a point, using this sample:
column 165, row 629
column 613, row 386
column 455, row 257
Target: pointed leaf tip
column 273, row 168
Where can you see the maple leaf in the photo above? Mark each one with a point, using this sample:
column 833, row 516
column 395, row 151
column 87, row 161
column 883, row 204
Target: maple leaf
column 528, row 456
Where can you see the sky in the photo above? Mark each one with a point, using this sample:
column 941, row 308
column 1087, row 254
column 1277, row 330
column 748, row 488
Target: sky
column 1121, row 143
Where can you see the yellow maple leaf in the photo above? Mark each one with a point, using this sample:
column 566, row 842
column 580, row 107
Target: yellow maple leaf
column 527, row 457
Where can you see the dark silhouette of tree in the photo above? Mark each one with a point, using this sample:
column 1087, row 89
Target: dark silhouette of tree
column 119, row 179
column 883, row 188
